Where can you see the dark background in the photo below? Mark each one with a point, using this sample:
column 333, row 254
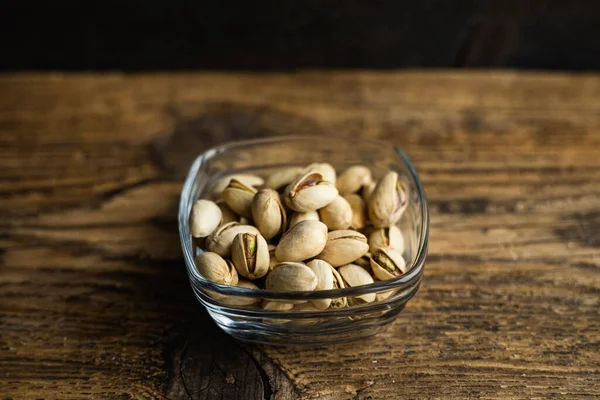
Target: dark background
column 246, row 34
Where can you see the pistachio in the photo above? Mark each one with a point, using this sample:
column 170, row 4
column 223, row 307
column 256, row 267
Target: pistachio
column 247, row 179
column 302, row 216
column 291, row 277
column 280, row 179
column 353, row 275
column 326, row 170
column 364, row 261
column 305, row 240
column 387, row 264
column 268, row 213
column 204, row 218
column 353, row 179
column 324, row 274
column 238, row 197
column 359, row 211
column 214, row 268
column 227, row 214
column 309, row 192
column 304, row 308
column 388, row 201
column 343, row 247
column 368, row 190
column 272, row 259
column 381, row 296
column 276, row 305
column 221, row 239
column 337, row 214
column 250, row 255
column 338, row 283
column 239, row 300
column 387, row 237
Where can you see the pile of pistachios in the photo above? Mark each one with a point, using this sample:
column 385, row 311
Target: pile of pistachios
column 301, row 229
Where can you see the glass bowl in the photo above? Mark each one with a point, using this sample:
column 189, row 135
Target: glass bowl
column 304, row 325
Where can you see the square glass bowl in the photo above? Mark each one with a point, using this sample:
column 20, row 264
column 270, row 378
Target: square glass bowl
column 305, row 325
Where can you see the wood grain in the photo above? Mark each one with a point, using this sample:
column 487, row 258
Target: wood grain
column 95, row 303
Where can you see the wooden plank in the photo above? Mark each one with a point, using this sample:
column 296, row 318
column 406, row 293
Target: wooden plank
column 94, row 300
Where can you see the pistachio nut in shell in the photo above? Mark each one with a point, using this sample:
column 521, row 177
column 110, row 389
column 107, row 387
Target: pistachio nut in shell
column 238, row 197
column 359, row 211
column 324, row 274
column 214, row 268
column 388, row 201
column 302, row 216
column 309, row 192
column 337, row 214
column 387, row 237
column 325, row 169
column 247, row 179
column 227, row 214
column 387, row 264
column 276, row 306
column 353, row 276
column 278, row 180
column 353, row 179
column 221, row 239
column 204, row 218
column 338, row 283
column 343, row 247
column 291, row 277
column 305, row 240
column 239, row 300
column 250, row 255
column 273, row 261
column 368, row 190
column 268, row 213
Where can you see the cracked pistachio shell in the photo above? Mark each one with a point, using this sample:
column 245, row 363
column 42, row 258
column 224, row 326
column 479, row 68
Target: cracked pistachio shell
column 364, row 261
column 227, row 214
column 238, row 300
column 353, row 179
column 368, row 190
column 338, row 283
column 326, row 170
column 305, row 240
column 302, row 216
column 388, row 201
column 309, row 192
column 387, row 237
column 387, row 264
column 221, row 239
column 214, row 268
column 353, row 276
column 359, row 211
column 250, row 255
column 291, row 277
column 343, row 247
column 238, row 197
column 268, row 213
column 247, row 179
column 337, row 214
column 204, row 218
column 283, row 177
column 324, row 274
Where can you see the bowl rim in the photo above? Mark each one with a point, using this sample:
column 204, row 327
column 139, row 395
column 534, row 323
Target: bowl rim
column 185, row 202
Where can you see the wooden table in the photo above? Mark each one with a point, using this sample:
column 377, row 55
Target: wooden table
column 95, row 302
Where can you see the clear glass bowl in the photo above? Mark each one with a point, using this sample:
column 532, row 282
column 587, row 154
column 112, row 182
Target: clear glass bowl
column 251, row 323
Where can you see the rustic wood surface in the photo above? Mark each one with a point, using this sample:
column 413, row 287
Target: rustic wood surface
column 95, row 303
